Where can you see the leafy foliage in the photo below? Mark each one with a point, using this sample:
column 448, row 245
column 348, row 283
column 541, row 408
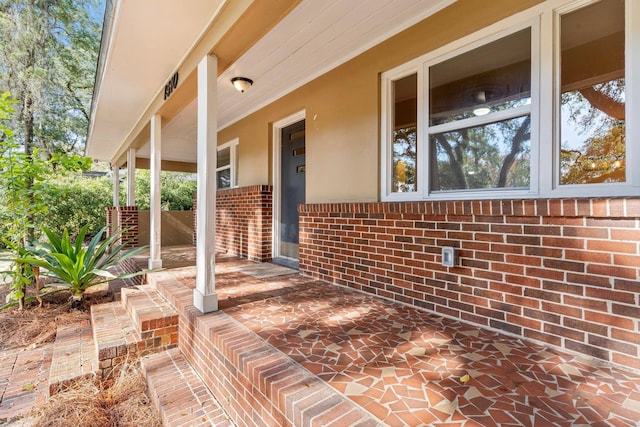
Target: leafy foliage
column 177, row 190
column 79, row 267
column 48, row 55
column 76, row 202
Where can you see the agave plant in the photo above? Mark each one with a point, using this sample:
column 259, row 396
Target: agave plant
column 77, row 267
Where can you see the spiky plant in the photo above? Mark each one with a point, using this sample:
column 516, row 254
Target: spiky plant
column 77, row 267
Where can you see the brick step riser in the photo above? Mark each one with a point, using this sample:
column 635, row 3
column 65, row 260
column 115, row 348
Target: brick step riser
column 139, row 324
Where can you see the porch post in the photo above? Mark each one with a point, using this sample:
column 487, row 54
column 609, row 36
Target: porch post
column 131, row 177
column 155, row 259
column 116, row 185
column 205, row 298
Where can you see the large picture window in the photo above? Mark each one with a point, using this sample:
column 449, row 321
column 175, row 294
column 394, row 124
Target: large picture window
column 532, row 106
column 479, row 117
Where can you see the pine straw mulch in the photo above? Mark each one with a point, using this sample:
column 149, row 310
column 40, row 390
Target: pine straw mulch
column 37, row 325
column 121, row 400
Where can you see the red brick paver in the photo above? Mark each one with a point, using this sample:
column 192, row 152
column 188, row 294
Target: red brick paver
column 23, row 379
column 405, row 366
column 179, row 394
column 74, row 355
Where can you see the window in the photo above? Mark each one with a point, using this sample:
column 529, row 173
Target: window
column 480, row 117
column 227, row 165
column 592, row 94
column 405, row 144
column 532, row 106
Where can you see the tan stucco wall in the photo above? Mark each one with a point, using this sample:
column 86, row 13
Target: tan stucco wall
column 342, row 108
column 176, row 228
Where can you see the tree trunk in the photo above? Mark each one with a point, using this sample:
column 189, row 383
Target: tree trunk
column 521, row 135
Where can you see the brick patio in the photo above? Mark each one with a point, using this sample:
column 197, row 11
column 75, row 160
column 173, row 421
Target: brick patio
column 289, row 350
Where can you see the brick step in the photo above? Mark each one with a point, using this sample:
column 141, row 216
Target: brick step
column 151, row 314
column 74, row 356
column 179, row 394
column 266, row 386
column 141, row 323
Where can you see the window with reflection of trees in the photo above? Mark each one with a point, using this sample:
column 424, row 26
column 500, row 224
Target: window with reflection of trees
column 480, row 117
column 537, row 108
column 592, row 99
column 405, row 144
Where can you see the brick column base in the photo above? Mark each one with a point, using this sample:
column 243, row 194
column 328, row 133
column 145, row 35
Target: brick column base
column 128, row 223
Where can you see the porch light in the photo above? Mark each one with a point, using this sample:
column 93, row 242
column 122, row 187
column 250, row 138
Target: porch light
column 241, row 83
column 482, row 109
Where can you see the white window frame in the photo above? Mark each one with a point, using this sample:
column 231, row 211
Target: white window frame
column 233, row 162
column 543, row 20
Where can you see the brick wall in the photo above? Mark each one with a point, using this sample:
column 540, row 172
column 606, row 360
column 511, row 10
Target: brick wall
column 243, row 222
column 124, row 218
column 128, row 223
column 564, row 272
column 112, row 220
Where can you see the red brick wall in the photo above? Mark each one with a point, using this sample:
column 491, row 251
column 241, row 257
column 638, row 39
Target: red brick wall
column 123, row 218
column 565, row 272
column 112, row 220
column 243, row 222
column 128, row 223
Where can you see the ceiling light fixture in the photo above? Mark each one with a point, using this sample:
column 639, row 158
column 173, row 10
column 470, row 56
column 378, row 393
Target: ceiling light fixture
column 241, row 83
column 482, row 109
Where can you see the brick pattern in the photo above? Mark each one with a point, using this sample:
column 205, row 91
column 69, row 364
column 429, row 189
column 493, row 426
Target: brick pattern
column 179, row 394
column 112, row 220
column 123, row 218
column 151, row 315
column 256, row 384
column 128, row 223
column 565, row 272
column 74, row 356
column 23, row 380
column 141, row 323
column 243, row 222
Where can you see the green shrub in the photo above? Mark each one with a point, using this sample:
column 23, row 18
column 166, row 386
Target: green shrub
column 76, row 202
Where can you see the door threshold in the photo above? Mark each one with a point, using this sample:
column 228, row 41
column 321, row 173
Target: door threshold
column 287, row 262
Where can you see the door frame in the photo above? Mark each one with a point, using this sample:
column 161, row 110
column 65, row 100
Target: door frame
column 277, row 179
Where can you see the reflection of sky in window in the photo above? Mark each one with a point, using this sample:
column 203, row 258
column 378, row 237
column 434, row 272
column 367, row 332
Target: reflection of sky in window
column 573, row 134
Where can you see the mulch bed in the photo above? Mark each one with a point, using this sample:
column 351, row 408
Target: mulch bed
column 118, row 401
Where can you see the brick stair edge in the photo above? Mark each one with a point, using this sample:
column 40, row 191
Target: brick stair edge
column 205, row 410
column 88, row 355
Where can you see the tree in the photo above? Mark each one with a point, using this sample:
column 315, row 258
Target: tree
column 176, row 190
column 597, row 154
column 48, row 55
column 495, row 155
column 404, row 159
column 48, row 52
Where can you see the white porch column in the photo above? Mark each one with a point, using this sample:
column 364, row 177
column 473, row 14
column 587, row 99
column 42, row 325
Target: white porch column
column 116, row 185
column 155, row 259
column 205, row 298
column 131, row 177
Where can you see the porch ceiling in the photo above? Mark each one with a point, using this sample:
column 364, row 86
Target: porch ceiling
column 143, row 53
column 146, row 41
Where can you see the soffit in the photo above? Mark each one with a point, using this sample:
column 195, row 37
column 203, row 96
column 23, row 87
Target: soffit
column 309, row 41
column 147, row 40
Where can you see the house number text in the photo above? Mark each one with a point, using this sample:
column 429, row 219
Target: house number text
column 171, row 85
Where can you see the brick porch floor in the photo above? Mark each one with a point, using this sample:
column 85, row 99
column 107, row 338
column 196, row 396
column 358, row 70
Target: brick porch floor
column 404, row 366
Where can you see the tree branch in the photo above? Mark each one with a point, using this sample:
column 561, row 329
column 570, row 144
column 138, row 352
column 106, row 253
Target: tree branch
column 604, row 103
column 516, row 145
